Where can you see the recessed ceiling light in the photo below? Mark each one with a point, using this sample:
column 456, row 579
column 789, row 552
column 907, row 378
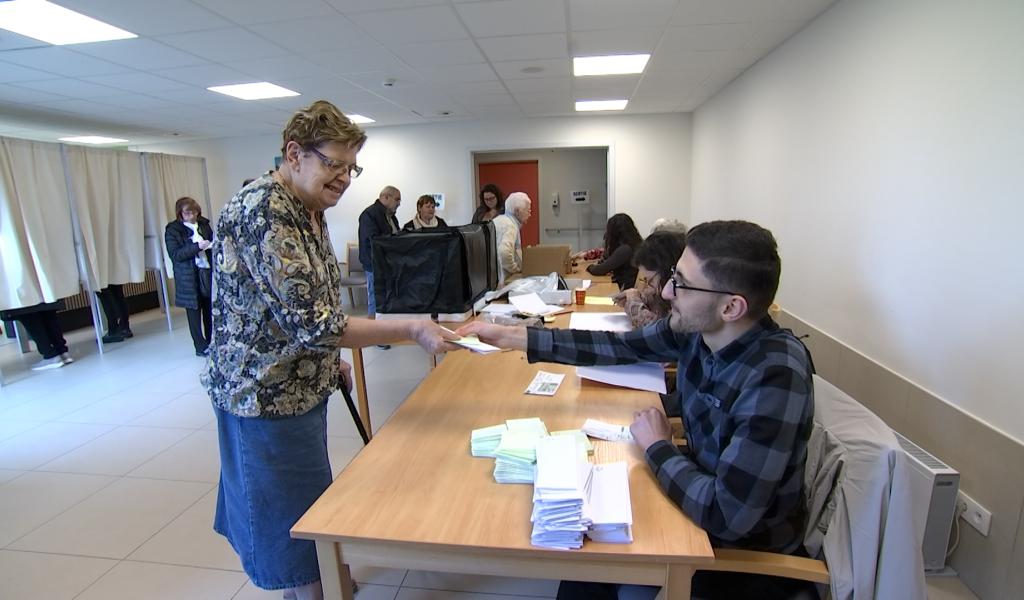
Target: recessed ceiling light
column 622, row 64
column 93, row 139
column 56, row 25
column 253, row 91
column 359, row 119
column 589, row 105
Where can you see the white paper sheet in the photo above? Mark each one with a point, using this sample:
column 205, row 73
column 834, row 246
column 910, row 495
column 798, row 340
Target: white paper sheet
column 501, row 309
column 600, row 321
column 531, row 304
column 545, row 384
column 641, row 376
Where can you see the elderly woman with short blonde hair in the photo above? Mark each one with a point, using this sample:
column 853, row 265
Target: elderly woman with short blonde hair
column 274, row 359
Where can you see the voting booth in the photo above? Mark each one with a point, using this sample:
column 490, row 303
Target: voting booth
column 441, row 271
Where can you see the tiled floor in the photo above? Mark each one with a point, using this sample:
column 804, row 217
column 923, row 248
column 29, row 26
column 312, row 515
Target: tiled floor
column 108, row 471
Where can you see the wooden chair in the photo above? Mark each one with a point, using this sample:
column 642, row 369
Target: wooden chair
column 545, row 259
column 354, row 276
column 847, row 442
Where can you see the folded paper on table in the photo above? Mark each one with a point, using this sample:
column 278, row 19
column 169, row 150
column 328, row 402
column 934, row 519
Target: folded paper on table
column 531, row 304
column 599, row 301
column 640, row 376
column 595, row 321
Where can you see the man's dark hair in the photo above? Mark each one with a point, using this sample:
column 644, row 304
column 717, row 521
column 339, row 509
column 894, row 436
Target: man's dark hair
column 660, row 252
column 741, row 257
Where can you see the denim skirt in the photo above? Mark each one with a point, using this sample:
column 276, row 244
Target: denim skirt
column 271, row 472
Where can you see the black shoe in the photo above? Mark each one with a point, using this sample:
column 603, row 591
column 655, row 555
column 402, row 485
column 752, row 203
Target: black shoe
column 126, row 333
column 203, row 352
column 113, row 338
column 384, row 346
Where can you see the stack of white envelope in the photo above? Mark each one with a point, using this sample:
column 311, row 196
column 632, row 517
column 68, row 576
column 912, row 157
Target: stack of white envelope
column 483, row 442
column 560, row 517
column 611, row 513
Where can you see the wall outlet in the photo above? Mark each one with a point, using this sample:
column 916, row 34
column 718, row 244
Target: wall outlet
column 977, row 515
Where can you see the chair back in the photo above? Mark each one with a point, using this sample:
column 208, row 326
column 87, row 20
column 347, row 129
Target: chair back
column 352, row 258
column 544, row 259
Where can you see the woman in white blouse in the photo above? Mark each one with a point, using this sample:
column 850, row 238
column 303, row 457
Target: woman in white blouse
column 188, row 240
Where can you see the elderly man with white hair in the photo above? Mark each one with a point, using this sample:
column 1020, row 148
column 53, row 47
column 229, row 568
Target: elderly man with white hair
column 506, row 233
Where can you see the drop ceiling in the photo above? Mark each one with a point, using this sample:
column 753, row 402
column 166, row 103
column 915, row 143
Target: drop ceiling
column 445, row 60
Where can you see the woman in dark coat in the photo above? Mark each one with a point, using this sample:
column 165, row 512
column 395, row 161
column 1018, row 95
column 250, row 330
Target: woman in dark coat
column 188, row 240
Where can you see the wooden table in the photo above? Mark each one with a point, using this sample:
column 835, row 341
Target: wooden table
column 415, row 498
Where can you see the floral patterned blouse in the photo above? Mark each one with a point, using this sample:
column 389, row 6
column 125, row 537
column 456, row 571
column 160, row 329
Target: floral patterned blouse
column 277, row 318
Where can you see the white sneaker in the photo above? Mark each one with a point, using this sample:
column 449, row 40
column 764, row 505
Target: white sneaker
column 66, row 358
column 48, row 363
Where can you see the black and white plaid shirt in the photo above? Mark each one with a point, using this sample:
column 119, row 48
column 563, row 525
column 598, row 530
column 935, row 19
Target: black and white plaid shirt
column 747, row 411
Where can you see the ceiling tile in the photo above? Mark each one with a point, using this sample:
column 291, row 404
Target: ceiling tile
column 437, row 54
column 11, row 73
column 192, row 95
column 672, row 82
column 481, row 72
column 719, row 59
column 266, row 11
column 550, row 68
column 588, row 15
column 701, row 12
column 513, row 17
column 372, row 57
column 540, row 84
column 479, row 87
column 766, row 36
column 478, row 100
column 12, row 41
column 366, row 5
column 149, row 18
column 611, row 86
column 281, row 67
column 140, row 54
column 136, row 101
column 398, row 78
column 73, row 88
column 205, row 75
column 428, row 24
column 328, row 88
column 136, row 81
column 526, row 47
column 596, row 43
column 78, row 106
column 496, row 112
column 223, row 45
column 319, row 34
column 61, row 61
column 10, row 93
column 660, row 103
column 704, row 38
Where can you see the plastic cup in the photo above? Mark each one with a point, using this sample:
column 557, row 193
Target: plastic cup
column 581, row 296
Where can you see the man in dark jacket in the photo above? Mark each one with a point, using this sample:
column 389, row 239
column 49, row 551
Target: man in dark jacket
column 377, row 219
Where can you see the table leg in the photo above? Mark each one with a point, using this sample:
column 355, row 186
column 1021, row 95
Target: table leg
column 677, row 583
column 361, row 398
column 335, row 576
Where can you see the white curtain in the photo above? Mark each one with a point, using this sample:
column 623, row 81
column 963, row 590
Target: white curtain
column 169, row 177
column 106, row 188
column 37, row 250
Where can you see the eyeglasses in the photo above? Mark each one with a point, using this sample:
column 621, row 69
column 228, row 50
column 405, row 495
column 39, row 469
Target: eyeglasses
column 337, row 166
column 682, row 286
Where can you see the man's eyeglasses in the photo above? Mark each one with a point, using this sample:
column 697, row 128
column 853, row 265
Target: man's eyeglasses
column 337, row 166
column 682, row 286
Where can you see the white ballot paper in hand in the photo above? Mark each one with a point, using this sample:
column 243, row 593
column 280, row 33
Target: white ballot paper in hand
column 607, row 431
column 472, row 342
column 545, row 384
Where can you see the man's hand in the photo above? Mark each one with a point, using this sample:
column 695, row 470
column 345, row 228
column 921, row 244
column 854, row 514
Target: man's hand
column 649, row 426
column 346, row 375
column 502, row 336
column 433, row 338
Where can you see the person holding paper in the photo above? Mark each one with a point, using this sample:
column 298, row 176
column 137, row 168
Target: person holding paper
column 274, row 358
column 746, row 400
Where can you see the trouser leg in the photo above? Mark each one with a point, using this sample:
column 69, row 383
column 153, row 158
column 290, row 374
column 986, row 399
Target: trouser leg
column 37, row 328
column 195, row 328
column 120, row 306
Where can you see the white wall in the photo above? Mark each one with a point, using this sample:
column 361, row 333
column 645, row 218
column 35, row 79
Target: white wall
column 649, row 154
column 884, row 146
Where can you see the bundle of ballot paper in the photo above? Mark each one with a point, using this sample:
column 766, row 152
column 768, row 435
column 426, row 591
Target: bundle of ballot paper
column 483, row 442
column 572, row 498
column 560, row 516
column 516, row 454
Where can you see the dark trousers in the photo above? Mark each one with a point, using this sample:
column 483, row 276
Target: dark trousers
column 200, row 323
column 114, row 308
column 706, row 585
column 44, row 329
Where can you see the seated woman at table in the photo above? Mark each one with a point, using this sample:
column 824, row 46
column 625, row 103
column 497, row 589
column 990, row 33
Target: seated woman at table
column 654, row 259
column 621, row 239
column 426, row 209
